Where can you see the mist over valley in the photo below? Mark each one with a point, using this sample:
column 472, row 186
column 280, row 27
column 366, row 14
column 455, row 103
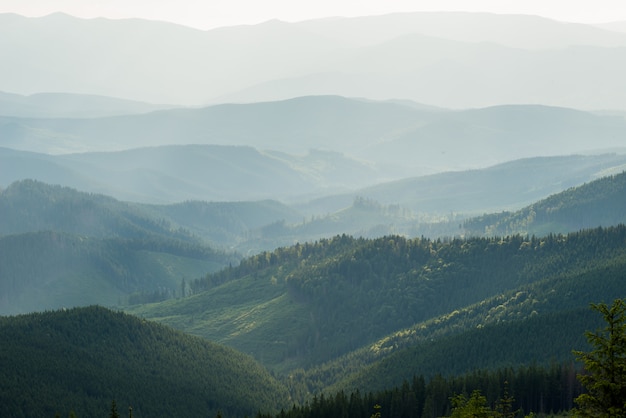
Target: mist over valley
column 306, row 218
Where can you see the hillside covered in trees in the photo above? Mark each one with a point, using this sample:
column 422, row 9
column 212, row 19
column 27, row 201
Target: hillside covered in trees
column 64, row 248
column 322, row 312
column 336, row 314
column 82, row 359
column 597, row 203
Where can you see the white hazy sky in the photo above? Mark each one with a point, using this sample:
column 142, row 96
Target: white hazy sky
column 206, row 14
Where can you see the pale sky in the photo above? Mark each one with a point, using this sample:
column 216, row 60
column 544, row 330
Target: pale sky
column 207, row 14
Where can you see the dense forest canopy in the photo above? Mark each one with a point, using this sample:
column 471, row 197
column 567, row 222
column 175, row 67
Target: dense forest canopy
column 80, row 359
column 346, row 302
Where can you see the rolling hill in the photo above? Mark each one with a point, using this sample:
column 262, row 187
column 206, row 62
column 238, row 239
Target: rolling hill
column 64, row 248
column 171, row 174
column 292, row 150
column 598, row 203
column 429, row 206
column 305, row 305
column 295, row 126
column 510, row 185
column 415, row 139
column 349, row 311
column 65, row 105
column 80, row 360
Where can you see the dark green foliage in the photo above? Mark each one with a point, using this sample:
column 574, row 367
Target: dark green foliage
column 346, row 303
column 114, row 413
column 473, row 407
column 605, row 365
column 82, row 358
column 537, row 340
column 31, row 206
column 504, row 392
column 60, row 247
column 49, row 270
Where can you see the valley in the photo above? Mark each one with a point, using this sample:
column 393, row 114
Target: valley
column 370, row 216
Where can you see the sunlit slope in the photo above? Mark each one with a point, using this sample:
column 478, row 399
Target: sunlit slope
column 308, row 304
column 597, row 203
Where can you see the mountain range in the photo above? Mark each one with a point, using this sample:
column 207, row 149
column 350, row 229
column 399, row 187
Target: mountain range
column 288, row 150
column 479, row 60
column 324, row 215
column 65, row 105
column 344, row 309
column 338, row 314
column 138, row 252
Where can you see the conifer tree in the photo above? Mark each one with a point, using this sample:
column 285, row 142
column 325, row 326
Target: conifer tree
column 473, row 407
column 504, row 406
column 114, row 413
column 605, row 365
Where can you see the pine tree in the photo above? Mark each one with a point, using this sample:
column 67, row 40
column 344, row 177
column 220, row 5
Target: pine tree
column 504, row 406
column 474, row 407
column 114, row 413
column 605, row 365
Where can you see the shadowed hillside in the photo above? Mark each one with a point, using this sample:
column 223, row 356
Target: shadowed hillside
column 82, row 359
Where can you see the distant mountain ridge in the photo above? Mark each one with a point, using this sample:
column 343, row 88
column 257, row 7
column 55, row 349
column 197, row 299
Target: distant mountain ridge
column 388, row 140
column 591, row 205
column 64, row 105
column 171, row 174
column 538, row 60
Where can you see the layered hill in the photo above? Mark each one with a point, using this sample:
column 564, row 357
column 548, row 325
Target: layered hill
column 293, row 150
column 391, row 133
column 66, row 105
column 505, row 186
column 171, row 174
column 339, row 306
column 308, row 304
column 454, row 60
column 80, row 360
column 94, row 249
column 598, row 203
column 64, row 248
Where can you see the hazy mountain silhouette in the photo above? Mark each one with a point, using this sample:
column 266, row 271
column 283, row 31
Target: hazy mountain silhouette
column 398, row 139
column 536, row 60
column 192, row 172
column 64, row 105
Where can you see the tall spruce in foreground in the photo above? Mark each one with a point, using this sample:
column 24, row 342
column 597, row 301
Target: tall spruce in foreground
column 605, row 365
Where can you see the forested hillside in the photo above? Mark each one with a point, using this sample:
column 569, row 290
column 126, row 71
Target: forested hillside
column 32, row 206
column 242, row 225
column 63, row 248
column 381, row 216
column 526, row 390
column 305, row 305
column 597, row 203
column 82, row 359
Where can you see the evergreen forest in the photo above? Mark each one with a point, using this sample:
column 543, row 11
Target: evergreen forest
column 400, row 213
column 345, row 326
